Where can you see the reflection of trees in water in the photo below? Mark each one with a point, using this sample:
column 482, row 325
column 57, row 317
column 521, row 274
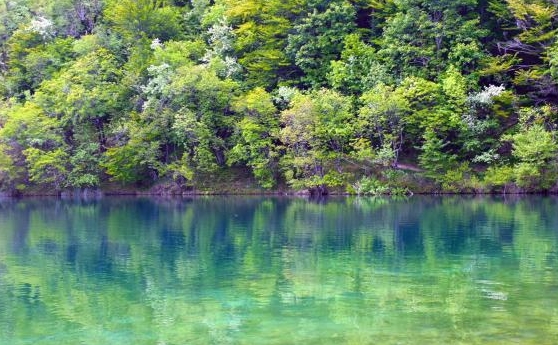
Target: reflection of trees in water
column 219, row 260
column 222, row 229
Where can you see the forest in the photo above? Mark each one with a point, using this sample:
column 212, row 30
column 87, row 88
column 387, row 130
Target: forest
column 360, row 96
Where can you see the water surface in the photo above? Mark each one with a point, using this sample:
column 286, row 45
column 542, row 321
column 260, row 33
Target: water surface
column 423, row 270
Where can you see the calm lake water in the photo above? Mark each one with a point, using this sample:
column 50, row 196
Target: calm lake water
column 246, row 270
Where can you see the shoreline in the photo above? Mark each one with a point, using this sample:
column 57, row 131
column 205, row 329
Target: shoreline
column 278, row 193
column 247, row 187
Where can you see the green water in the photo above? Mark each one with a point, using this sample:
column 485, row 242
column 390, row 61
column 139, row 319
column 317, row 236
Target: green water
column 423, row 270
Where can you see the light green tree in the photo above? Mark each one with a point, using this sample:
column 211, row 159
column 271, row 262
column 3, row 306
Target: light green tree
column 381, row 121
column 257, row 136
column 316, row 131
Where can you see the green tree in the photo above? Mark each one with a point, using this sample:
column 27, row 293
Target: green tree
column 261, row 28
column 318, row 40
column 316, row 132
column 32, row 148
column 137, row 19
column 422, row 37
column 534, row 149
column 382, row 121
column 10, row 173
column 47, row 167
column 32, row 56
column 533, row 27
column 358, row 69
column 435, row 158
column 85, row 97
column 137, row 158
column 257, row 138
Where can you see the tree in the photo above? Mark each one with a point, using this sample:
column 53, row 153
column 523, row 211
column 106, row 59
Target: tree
column 316, row 132
column 10, row 173
column 12, row 14
column 47, row 167
column 85, row 97
column 382, row 121
column 434, row 157
column 318, row 40
column 483, row 120
column 534, row 27
column 137, row 19
column 137, row 159
column 184, row 122
column 32, row 147
column 358, row 69
column 261, row 28
column 534, row 150
column 314, row 92
column 33, row 55
column 257, row 136
column 423, row 36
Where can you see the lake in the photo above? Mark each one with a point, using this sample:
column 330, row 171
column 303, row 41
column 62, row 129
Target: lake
column 255, row 270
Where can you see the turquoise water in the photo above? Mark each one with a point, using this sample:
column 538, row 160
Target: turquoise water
column 423, row 270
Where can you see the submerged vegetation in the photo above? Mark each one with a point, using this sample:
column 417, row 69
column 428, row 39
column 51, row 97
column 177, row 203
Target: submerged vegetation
column 364, row 96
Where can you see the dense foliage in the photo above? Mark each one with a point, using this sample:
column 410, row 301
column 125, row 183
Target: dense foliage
column 369, row 96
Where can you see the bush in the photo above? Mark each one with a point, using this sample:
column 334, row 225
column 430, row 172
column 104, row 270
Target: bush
column 373, row 186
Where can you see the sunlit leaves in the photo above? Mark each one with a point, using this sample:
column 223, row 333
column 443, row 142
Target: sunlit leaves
column 29, row 126
column 316, row 131
column 534, row 151
column 261, row 28
column 358, row 69
column 152, row 18
column 382, row 119
column 257, row 136
column 47, row 167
